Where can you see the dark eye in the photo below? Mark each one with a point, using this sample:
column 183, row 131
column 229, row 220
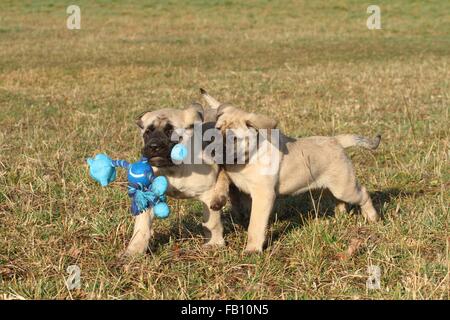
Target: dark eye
column 168, row 129
column 150, row 128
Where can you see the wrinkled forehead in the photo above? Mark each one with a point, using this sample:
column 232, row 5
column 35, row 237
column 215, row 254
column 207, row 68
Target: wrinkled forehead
column 160, row 118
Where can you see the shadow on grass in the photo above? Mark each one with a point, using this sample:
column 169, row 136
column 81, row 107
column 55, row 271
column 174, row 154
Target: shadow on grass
column 294, row 212
column 300, row 210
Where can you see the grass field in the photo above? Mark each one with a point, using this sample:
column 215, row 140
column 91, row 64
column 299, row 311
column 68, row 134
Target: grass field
column 314, row 65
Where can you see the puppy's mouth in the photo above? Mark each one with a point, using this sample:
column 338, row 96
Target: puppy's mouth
column 158, row 156
column 159, row 161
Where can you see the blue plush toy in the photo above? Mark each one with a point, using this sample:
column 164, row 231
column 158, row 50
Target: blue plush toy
column 144, row 188
column 179, row 152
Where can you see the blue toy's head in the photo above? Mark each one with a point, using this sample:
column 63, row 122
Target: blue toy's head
column 140, row 172
column 101, row 169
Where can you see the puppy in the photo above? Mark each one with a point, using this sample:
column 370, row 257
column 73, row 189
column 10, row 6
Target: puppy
column 293, row 167
column 201, row 181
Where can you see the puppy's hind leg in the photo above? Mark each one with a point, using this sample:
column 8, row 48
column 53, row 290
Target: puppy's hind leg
column 340, row 207
column 345, row 188
column 367, row 208
column 356, row 194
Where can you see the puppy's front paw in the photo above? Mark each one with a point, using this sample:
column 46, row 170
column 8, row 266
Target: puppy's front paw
column 372, row 216
column 125, row 257
column 211, row 244
column 251, row 249
column 218, row 202
column 135, row 249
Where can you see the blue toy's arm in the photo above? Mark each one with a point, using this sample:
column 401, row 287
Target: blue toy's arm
column 120, row 163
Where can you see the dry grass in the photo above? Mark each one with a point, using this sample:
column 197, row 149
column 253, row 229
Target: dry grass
column 66, row 95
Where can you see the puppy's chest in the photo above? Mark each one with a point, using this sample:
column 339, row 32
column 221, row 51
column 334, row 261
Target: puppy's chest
column 184, row 188
column 184, row 184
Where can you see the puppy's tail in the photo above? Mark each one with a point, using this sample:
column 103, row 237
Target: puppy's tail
column 350, row 140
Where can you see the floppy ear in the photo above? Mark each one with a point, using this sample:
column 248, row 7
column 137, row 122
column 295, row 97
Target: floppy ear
column 222, row 107
column 139, row 121
column 259, row 121
column 193, row 113
column 213, row 103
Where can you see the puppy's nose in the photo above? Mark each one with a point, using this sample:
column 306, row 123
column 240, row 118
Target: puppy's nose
column 154, row 147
